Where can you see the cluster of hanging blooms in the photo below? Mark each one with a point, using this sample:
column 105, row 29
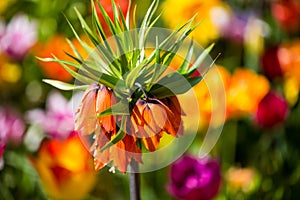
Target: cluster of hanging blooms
column 130, row 98
column 149, row 119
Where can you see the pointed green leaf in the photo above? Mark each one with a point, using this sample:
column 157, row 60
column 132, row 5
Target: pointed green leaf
column 188, row 58
column 87, row 29
column 77, row 54
column 173, row 83
column 76, row 75
column 199, row 60
column 64, row 86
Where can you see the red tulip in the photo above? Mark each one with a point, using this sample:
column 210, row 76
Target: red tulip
column 271, row 64
column 272, row 110
column 287, row 14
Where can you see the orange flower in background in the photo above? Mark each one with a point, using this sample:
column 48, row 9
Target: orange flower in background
column 65, row 168
column 289, row 59
column 245, row 179
column 246, row 89
column 204, row 96
column 287, row 13
column 107, row 5
column 58, row 47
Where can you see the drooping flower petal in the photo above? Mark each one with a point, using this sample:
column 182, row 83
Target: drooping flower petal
column 145, row 125
column 86, row 116
column 174, row 124
column 100, row 158
column 121, row 154
column 105, row 99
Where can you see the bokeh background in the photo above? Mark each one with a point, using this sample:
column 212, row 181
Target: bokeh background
column 257, row 45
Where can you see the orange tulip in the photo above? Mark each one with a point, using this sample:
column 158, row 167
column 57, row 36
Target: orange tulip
column 289, row 60
column 216, row 79
column 63, row 166
column 58, row 47
column 246, row 90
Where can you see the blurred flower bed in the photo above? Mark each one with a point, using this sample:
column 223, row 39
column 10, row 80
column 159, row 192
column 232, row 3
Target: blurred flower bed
column 257, row 155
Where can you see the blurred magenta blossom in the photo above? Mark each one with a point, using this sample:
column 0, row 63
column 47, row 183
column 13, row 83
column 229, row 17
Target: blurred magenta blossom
column 57, row 121
column 18, row 36
column 2, row 147
column 12, row 127
column 238, row 25
column 272, row 110
column 195, row 178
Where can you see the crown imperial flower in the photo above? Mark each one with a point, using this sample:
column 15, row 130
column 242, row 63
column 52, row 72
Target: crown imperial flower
column 130, row 98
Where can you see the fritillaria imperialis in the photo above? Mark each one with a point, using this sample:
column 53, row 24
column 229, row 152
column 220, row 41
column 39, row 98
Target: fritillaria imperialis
column 130, row 98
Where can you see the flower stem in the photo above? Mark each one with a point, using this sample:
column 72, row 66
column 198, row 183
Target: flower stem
column 134, row 181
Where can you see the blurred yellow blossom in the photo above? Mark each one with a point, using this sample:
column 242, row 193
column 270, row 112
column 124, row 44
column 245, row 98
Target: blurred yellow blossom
column 9, row 72
column 246, row 89
column 178, row 11
column 255, row 32
column 4, row 4
column 66, row 168
column 291, row 90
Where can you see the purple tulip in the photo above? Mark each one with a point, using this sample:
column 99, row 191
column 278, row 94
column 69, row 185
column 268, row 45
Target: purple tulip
column 272, row 110
column 194, row 178
column 57, row 121
column 19, row 35
column 12, row 127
